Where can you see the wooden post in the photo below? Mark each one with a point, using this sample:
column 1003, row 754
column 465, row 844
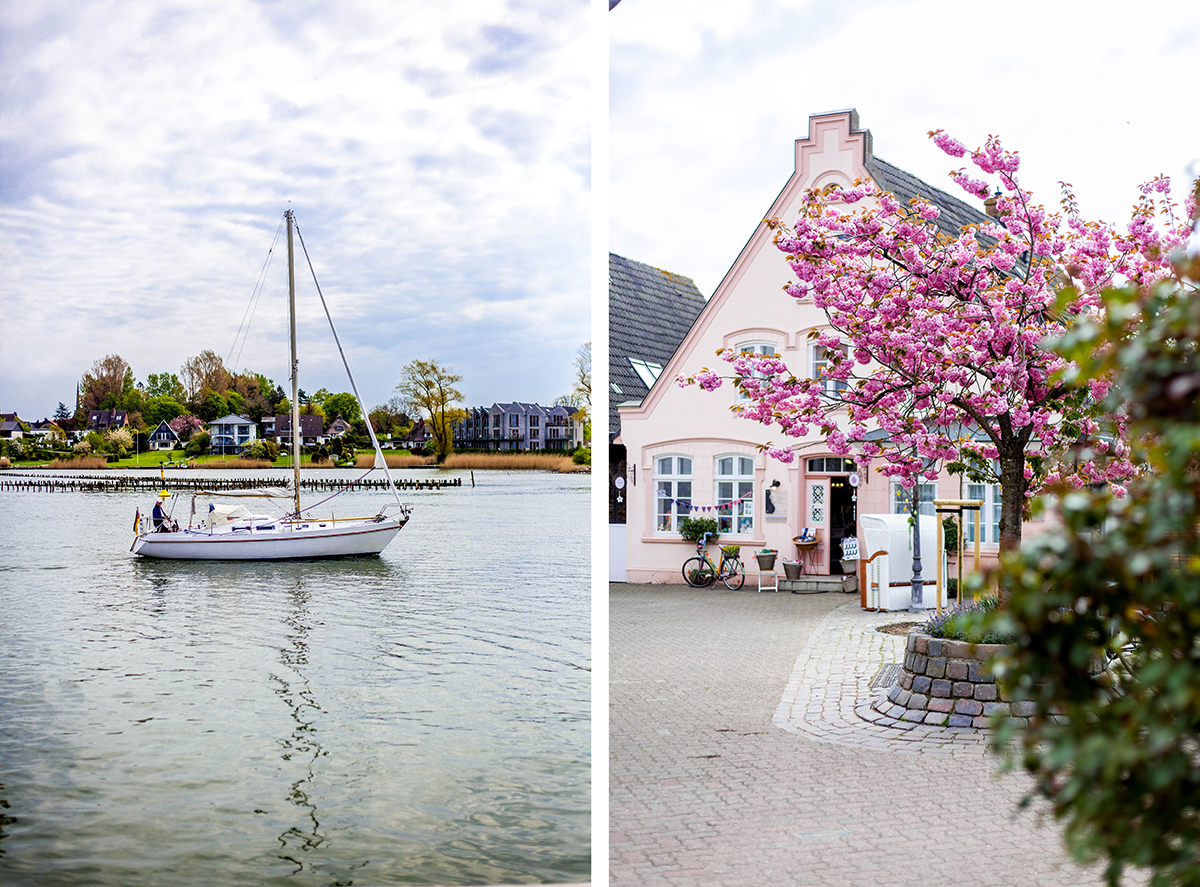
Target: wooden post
column 975, row 505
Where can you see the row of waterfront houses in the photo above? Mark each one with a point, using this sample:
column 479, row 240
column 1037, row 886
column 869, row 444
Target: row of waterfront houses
column 520, row 426
column 508, row 426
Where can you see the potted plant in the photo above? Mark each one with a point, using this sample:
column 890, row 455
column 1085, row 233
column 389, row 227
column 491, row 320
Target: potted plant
column 693, row 528
column 766, row 558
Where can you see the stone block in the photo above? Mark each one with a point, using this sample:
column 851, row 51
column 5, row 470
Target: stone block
column 984, row 652
column 901, row 698
column 911, row 643
column 922, row 644
column 985, row 692
column 935, row 667
column 978, row 673
column 964, row 689
column 981, row 722
column 956, row 670
column 996, row 708
column 956, row 650
column 920, row 684
column 917, row 702
column 968, row 707
column 942, row 705
column 959, row 721
column 940, row 688
column 936, row 718
column 905, row 680
column 1024, row 709
column 894, row 691
column 913, row 716
column 918, row 663
column 935, row 646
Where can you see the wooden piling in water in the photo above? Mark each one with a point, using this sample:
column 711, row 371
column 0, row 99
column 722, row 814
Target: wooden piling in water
column 194, row 482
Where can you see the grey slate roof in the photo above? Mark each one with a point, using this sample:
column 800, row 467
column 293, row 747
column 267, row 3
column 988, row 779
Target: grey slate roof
column 649, row 313
column 954, row 212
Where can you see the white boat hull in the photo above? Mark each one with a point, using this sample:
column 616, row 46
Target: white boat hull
column 301, row 540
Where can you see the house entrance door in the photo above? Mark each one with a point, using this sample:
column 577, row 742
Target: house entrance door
column 843, row 518
column 816, row 517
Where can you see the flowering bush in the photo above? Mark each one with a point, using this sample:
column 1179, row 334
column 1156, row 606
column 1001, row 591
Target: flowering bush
column 1115, row 749
column 185, row 426
column 968, row 622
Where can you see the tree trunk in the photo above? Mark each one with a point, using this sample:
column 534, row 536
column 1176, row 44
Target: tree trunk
column 1012, row 504
column 1012, row 499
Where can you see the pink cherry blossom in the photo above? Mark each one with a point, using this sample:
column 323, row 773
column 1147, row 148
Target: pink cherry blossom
column 947, row 337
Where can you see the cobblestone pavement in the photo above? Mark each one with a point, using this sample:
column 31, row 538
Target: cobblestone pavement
column 737, row 757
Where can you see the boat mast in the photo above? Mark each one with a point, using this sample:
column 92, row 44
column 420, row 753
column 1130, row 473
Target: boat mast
column 295, row 365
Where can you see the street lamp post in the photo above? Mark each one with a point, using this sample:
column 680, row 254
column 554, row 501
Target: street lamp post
column 916, row 605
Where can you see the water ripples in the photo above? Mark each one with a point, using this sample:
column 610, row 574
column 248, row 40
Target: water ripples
column 417, row 718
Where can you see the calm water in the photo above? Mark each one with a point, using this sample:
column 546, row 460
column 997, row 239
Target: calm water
column 417, row 718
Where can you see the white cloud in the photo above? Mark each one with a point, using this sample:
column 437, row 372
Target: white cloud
column 708, row 97
column 436, row 156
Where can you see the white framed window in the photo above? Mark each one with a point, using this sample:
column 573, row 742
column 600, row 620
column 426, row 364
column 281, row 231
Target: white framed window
column 902, row 498
column 762, row 348
column 820, row 362
column 673, row 492
column 989, row 517
column 831, row 465
column 735, row 495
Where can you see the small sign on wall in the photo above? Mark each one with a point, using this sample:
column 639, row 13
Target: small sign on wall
column 775, row 503
column 850, row 548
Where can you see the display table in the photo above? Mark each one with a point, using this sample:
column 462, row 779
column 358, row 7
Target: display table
column 807, row 554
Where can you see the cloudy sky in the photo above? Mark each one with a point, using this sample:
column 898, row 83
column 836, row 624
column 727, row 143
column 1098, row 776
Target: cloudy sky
column 708, row 96
column 436, row 156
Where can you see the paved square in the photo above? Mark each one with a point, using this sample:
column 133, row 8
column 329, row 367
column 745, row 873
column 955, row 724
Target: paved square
column 739, row 755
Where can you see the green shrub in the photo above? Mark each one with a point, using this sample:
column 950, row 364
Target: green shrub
column 969, row 622
column 692, row 528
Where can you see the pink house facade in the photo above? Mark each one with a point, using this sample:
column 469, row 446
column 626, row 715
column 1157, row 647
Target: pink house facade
column 687, row 453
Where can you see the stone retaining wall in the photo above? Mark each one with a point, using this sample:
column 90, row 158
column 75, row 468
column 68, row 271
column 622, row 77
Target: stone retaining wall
column 947, row 684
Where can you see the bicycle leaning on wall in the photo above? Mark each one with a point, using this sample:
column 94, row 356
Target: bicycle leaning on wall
column 700, row 572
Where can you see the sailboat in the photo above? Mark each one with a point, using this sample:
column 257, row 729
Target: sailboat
column 230, row 531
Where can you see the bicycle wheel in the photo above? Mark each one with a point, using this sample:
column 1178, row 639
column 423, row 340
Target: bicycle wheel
column 698, row 573
column 735, row 578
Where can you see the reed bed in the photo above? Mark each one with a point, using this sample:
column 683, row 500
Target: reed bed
column 237, row 463
column 80, row 463
column 500, row 461
column 367, row 460
column 510, row 461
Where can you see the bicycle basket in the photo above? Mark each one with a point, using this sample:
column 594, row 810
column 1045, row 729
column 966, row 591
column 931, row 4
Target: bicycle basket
column 731, row 550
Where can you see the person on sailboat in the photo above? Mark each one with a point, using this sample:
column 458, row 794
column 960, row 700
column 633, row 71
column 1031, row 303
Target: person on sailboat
column 161, row 519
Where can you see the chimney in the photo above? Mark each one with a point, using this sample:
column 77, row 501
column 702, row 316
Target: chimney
column 989, row 205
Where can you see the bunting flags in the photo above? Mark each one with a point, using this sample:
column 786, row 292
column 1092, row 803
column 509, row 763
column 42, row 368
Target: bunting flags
column 688, row 506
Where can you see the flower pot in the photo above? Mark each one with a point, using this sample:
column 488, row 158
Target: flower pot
column 766, row 561
column 793, row 569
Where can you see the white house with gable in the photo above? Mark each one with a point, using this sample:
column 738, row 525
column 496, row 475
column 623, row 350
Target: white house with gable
column 688, row 454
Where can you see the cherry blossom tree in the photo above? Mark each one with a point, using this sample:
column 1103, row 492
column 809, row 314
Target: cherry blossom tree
column 935, row 338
